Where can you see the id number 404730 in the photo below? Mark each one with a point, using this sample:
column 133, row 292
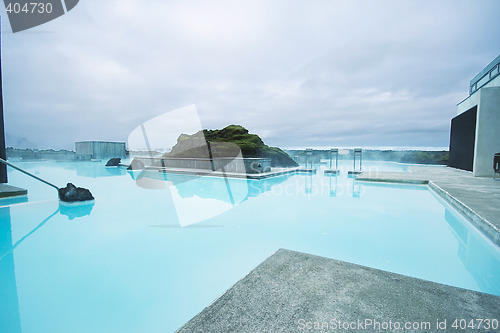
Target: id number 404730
column 29, row 8
column 462, row 324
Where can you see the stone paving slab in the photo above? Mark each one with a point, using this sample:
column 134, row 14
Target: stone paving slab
column 476, row 197
column 291, row 291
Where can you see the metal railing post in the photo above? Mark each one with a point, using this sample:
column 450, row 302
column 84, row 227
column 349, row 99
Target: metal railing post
column 27, row 173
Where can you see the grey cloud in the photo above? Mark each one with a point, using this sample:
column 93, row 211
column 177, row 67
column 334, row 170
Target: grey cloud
column 297, row 73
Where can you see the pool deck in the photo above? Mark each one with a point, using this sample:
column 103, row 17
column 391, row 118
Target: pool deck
column 478, row 198
column 291, row 291
column 9, row 191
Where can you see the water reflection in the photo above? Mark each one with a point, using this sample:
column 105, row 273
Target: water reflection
column 9, row 304
column 356, row 189
column 347, row 185
column 76, row 210
column 82, row 168
column 13, row 200
column 333, row 185
column 10, row 320
column 308, row 183
column 198, row 198
column 229, row 190
column 151, row 180
column 96, row 170
column 72, row 211
column 475, row 253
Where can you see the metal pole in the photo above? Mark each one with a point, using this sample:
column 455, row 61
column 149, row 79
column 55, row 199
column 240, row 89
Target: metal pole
column 309, row 153
column 360, row 160
column 3, row 155
column 210, row 156
column 336, row 152
column 27, row 173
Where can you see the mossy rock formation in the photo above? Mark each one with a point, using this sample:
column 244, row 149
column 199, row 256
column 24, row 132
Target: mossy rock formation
column 226, row 143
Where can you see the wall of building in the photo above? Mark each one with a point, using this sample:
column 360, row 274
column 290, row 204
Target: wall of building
column 108, row 149
column 100, row 149
column 487, row 131
column 462, row 140
column 484, row 95
column 229, row 164
column 84, row 149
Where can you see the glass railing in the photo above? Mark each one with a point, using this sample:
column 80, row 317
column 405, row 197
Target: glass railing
column 486, row 75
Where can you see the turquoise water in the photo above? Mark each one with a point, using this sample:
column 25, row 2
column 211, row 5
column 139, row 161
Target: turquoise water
column 154, row 250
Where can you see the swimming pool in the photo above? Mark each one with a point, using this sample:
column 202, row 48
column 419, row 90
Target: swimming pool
column 154, row 250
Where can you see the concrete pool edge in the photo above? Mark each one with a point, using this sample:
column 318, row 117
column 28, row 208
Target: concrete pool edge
column 226, row 174
column 9, row 191
column 290, row 289
column 487, row 228
column 441, row 186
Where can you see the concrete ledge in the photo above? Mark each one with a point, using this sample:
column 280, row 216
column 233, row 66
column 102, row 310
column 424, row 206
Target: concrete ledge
column 476, row 198
column 235, row 164
column 392, row 180
column 258, row 176
column 488, row 229
column 306, row 170
column 329, row 172
column 292, row 289
column 8, row 191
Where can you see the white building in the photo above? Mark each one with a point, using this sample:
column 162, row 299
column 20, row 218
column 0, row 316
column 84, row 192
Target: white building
column 475, row 131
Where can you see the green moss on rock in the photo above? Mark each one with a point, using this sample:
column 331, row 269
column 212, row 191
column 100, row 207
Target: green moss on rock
column 222, row 144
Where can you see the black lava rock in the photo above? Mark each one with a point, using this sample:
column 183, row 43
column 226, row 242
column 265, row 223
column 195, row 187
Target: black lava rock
column 71, row 193
column 115, row 161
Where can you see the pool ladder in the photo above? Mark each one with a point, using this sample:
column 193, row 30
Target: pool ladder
column 359, row 153
column 332, row 171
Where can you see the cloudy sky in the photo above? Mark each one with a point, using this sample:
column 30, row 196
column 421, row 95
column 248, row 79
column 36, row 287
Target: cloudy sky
column 313, row 73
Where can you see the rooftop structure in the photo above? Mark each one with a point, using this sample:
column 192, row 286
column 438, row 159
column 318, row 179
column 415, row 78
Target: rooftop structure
column 488, row 74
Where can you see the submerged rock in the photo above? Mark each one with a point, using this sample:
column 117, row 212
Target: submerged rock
column 136, row 165
column 71, row 193
column 115, row 161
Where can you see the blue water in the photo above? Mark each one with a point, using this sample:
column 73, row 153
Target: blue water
column 154, row 250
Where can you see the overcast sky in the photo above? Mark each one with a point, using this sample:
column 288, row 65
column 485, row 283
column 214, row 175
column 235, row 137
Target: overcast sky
column 298, row 73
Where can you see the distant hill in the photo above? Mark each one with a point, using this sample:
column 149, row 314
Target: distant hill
column 45, row 154
column 18, row 142
column 225, row 143
column 403, row 156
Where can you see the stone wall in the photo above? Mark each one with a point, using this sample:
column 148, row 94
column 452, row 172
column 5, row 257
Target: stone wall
column 237, row 165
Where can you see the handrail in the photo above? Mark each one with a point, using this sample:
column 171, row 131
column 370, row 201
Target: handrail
column 489, row 72
column 27, row 173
